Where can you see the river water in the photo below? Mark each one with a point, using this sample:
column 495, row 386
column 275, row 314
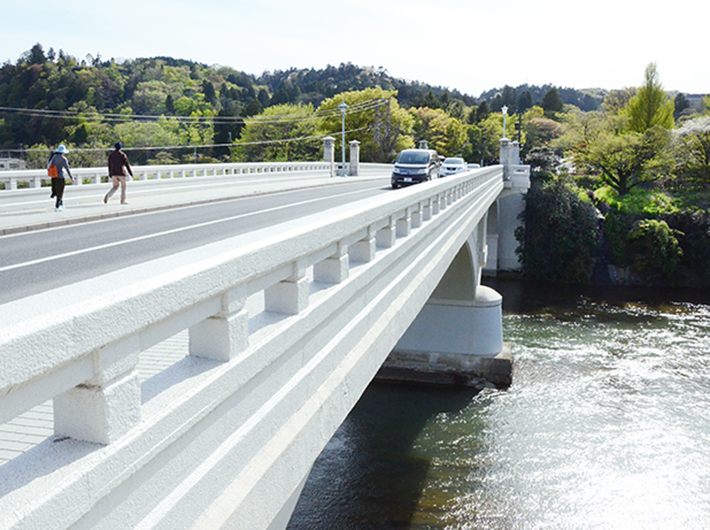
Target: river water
column 606, row 426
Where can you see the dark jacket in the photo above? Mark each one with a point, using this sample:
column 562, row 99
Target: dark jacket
column 117, row 160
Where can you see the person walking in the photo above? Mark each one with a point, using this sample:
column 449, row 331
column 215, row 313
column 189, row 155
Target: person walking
column 117, row 166
column 56, row 166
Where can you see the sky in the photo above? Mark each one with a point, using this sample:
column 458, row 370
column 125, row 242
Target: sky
column 467, row 45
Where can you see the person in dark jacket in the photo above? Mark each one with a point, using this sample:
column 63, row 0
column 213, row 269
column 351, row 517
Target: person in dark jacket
column 117, row 166
column 56, row 166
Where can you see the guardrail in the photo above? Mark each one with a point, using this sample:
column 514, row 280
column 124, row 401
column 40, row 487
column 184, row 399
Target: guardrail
column 35, row 178
column 80, row 345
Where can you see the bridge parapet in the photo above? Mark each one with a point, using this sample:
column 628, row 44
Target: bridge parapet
column 35, row 177
column 280, row 320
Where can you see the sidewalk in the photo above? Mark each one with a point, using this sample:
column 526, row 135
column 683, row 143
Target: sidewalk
column 32, row 209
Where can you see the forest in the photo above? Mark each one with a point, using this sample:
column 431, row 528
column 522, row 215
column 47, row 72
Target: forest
column 622, row 177
column 167, row 110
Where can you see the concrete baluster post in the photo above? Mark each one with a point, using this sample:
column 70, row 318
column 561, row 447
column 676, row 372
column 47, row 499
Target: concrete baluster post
column 427, row 210
column 335, row 268
column 354, row 158
column 435, row 205
column 107, row 406
column 329, row 153
column 417, row 216
column 387, row 235
column 363, row 251
column 289, row 296
column 225, row 335
column 404, row 225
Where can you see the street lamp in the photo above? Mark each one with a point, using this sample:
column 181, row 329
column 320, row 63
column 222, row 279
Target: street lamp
column 343, row 107
column 505, row 113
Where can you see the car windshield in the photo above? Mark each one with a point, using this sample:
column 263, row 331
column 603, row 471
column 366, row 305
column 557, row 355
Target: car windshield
column 454, row 162
column 413, row 157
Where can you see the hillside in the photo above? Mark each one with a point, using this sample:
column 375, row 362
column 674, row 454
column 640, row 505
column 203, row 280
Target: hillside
column 59, row 87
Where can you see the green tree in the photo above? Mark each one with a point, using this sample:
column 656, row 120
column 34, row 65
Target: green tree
column 627, row 160
column 655, row 248
column 692, row 148
column 558, row 237
column 445, row 134
column 280, row 133
column 552, row 102
column 650, row 106
column 617, row 100
column 680, row 103
column 374, row 118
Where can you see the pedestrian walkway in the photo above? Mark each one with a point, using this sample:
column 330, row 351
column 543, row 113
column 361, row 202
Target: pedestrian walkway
column 32, row 209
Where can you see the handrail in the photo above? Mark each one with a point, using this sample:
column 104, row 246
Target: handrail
column 36, row 177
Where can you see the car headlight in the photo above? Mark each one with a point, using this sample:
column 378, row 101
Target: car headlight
column 421, row 171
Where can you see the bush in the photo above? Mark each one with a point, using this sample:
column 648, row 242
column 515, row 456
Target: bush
column 655, row 248
column 694, row 240
column 637, row 201
column 558, row 237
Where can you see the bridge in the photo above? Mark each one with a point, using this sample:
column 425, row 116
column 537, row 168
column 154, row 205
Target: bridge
column 284, row 327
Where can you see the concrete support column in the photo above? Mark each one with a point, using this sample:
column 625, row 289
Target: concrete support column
column 107, row 406
column 452, row 341
column 333, row 269
column 289, row 296
column 225, row 335
column 329, row 153
column 354, row 158
column 363, row 251
column 435, row 205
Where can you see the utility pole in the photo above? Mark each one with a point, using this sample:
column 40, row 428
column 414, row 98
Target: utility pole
column 343, row 108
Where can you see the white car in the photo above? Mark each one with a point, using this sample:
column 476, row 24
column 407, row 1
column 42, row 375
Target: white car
column 452, row 166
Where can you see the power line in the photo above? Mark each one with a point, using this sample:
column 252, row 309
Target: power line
column 112, row 117
column 205, row 146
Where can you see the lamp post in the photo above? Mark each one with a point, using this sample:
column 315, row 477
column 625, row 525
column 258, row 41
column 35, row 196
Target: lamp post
column 343, row 108
column 504, row 110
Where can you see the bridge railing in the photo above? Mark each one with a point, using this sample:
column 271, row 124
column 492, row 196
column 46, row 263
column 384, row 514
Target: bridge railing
column 35, row 178
column 80, row 344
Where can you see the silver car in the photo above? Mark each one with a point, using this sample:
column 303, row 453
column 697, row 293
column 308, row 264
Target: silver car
column 452, row 166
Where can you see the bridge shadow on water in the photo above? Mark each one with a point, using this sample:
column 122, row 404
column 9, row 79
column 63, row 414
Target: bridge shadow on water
column 371, row 475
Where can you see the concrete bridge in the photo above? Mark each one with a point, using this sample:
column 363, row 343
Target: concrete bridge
column 286, row 327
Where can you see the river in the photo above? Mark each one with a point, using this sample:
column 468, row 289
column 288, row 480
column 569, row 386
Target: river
column 606, row 426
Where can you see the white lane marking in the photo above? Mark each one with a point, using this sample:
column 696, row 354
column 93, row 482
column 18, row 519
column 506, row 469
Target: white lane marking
column 169, row 232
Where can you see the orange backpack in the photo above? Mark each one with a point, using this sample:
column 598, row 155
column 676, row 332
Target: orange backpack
column 53, row 171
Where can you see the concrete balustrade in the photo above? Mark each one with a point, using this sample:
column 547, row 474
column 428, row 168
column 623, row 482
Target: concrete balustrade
column 35, row 177
column 281, row 321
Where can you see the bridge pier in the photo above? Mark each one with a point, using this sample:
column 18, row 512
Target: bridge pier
column 457, row 337
column 454, row 344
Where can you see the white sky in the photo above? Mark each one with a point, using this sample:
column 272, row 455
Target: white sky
column 467, row 45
